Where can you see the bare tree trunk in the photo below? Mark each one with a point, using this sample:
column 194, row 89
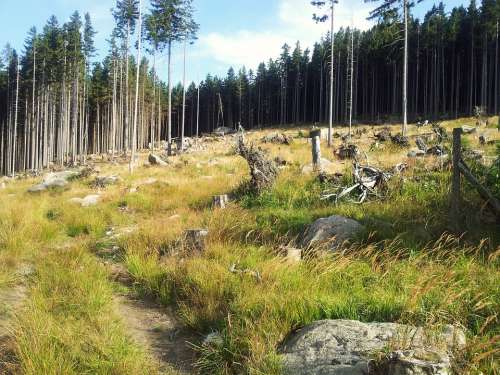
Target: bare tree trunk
column 15, row 121
column 496, row 95
column 332, row 36
column 183, row 96
column 134, row 131
column 169, row 124
column 351, row 84
column 198, row 113
column 405, row 74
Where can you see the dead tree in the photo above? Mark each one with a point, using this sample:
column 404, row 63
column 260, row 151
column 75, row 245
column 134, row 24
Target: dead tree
column 263, row 171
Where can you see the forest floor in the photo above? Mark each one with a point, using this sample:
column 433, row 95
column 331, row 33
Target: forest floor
column 110, row 291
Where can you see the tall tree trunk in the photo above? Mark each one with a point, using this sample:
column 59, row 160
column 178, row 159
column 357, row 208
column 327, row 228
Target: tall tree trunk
column 332, row 40
column 137, row 78
column 15, row 121
column 183, row 95
column 169, row 124
column 405, row 74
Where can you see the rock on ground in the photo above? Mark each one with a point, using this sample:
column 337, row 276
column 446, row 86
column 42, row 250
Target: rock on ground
column 156, row 160
column 346, row 347
column 53, row 180
column 89, row 200
column 333, row 231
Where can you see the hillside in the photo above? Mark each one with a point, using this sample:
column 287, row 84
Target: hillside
column 115, row 287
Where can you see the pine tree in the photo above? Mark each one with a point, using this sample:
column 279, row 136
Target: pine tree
column 167, row 14
column 388, row 6
column 137, row 76
column 187, row 30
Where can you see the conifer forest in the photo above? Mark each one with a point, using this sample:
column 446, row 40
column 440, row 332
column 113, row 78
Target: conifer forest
column 57, row 105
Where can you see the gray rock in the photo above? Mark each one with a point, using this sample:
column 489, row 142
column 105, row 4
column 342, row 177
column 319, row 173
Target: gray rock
column 156, row 160
column 346, row 347
column 54, row 180
column 89, row 200
column 469, row 129
column 333, row 231
column 416, row 153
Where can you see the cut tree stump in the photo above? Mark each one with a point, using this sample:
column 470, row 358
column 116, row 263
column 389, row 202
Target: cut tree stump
column 316, row 149
column 195, row 239
column 220, row 201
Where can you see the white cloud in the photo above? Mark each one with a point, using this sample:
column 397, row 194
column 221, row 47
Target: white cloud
column 294, row 22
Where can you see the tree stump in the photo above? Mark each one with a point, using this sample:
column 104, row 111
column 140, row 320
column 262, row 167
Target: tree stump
column 220, row 201
column 316, row 149
column 194, row 239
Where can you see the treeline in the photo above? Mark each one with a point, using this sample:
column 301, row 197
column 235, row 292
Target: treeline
column 56, row 106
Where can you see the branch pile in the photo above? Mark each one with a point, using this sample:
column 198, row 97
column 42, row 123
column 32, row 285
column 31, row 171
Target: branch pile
column 400, row 140
column 368, row 181
column 347, row 151
column 384, row 135
column 262, row 170
column 278, row 138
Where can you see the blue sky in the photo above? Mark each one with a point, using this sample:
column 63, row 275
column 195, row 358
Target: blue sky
column 232, row 32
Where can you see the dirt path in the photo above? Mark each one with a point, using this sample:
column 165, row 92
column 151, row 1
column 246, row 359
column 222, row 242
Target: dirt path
column 155, row 327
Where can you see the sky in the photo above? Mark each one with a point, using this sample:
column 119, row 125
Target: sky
column 233, row 33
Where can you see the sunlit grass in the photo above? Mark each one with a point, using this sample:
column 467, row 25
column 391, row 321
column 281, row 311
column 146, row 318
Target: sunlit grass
column 401, row 269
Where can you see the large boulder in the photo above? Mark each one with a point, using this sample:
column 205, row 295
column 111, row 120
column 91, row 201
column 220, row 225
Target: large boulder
column 332, row 231
column 54, row 180
column 346, row 347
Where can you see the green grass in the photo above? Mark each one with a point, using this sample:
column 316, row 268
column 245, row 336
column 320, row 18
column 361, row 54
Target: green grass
column 71, row 302
column 405, row 268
